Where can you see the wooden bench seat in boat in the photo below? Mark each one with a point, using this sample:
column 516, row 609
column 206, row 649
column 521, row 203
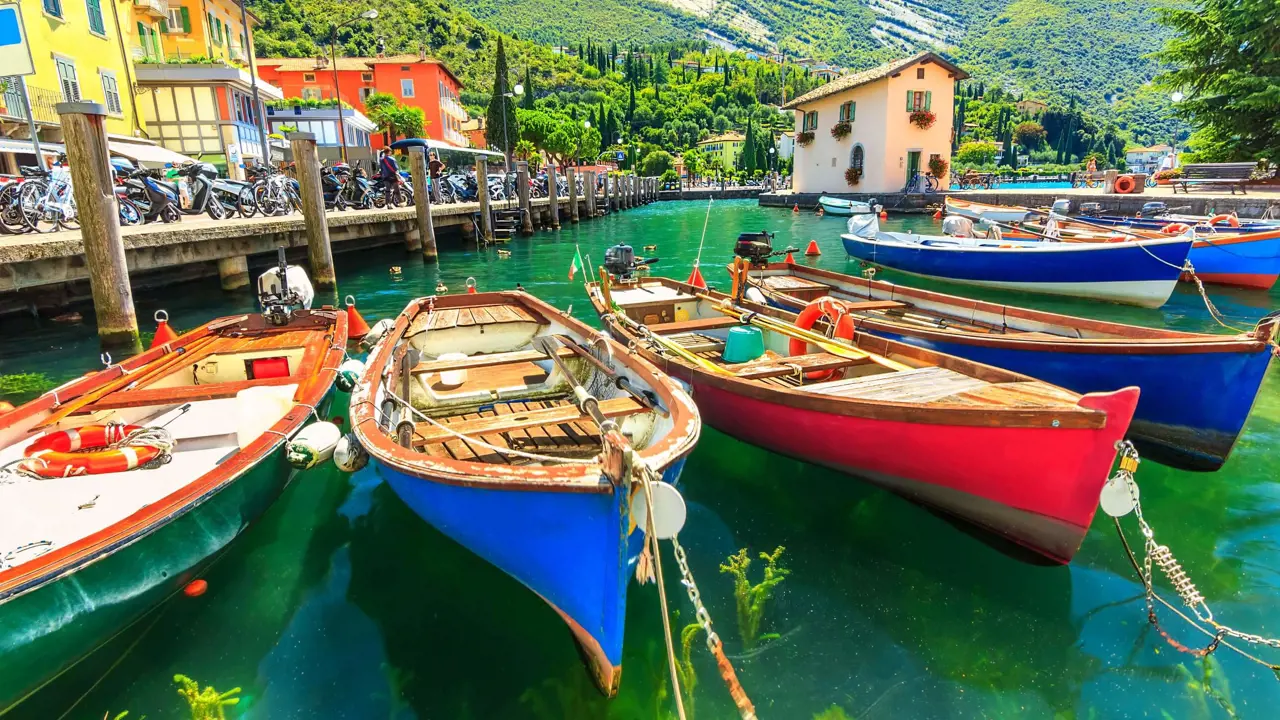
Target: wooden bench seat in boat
column 768, row 367
column 427, row 433
column 919, row 385
column 696, row 342
column 181, row 394
column 469, row 317
column 681, row 326
column 487, row 360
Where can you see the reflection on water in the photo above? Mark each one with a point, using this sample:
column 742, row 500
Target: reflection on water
column 341, row 603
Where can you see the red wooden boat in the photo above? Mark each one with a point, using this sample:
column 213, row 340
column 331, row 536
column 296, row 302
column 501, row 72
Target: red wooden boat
column 1019, row 457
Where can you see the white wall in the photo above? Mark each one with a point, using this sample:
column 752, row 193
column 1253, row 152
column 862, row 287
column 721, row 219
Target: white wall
column 820, row 167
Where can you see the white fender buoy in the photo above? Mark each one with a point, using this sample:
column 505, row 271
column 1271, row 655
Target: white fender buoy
column 669, row 511
column 1118, row 498
column 379, row 329
column 349, row 374
column 349, row 455
column 313, row 445
column 754, row 295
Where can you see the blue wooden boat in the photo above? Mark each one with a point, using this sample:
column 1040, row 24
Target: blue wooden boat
column 1141, row 272
column 523, row 476
column 1197, row 389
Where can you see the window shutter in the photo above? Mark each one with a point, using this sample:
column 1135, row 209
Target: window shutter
column 853, row 111
column 910, row 94
column 928, row 97
column 186, row 21
column 164, row 26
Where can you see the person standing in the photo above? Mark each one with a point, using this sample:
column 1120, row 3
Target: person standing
column 435, row 169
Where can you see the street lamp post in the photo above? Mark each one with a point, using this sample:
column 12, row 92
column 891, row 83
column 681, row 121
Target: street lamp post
column 333, row 58
column 506, row 139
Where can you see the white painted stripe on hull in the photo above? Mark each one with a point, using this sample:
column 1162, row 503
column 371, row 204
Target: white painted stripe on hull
column 1143, row 293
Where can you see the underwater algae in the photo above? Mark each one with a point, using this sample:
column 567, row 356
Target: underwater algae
column 207, row 704
column 752, row 599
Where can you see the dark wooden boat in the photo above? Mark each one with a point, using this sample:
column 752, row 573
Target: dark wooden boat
column 500, row 453
column 1019, row 457
column 84, row 556
column 1197, row 388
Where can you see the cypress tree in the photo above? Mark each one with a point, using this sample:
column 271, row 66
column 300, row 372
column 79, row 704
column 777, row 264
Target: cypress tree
column 500, row 120
column 526, row 100
column 631, row 107
column 748, row 161
column 613, row 54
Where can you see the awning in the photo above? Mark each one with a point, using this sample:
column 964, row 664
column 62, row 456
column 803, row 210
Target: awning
column 154, row 154
column 10, row 145
column 433, row 144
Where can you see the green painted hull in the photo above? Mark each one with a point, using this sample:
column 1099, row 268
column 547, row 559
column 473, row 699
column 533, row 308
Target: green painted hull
column 50, row 629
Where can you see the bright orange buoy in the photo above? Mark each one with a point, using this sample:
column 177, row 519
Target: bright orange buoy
column 795, row 208
column 812, row 250
column 356, row 326
column 471, row 286
column 790, row 258
column 884, row 215
column 5, row 406
column 164, row 333
column 695, row 278
column 937, row 215
column 195, row 588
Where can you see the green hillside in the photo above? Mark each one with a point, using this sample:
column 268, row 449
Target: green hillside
column 1092, row 50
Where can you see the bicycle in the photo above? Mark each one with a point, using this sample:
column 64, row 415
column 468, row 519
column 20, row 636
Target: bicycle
column 927, row 183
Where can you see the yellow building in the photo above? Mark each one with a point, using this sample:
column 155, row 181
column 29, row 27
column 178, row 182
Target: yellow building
column 724, row 148
column 183, row 29
column 80, row 49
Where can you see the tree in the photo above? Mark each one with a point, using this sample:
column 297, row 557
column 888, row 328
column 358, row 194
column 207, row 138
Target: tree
column 1226, row 59
column 655, row 163
column 526, row 100
column 393, row 119
column 502, row 129
column 748, row 160
column 976, row 153
column 694, row 163
column 1030, row 135
column 631, row 106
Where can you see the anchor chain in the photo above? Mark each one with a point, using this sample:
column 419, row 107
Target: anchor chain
column 1160, row 556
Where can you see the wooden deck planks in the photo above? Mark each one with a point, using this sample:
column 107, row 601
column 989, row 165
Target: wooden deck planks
column 534, row 419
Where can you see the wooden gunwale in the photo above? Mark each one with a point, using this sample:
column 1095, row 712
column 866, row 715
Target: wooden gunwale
column 1137, row 339
column 939, row 414
column 584, row 478
column 329, row 346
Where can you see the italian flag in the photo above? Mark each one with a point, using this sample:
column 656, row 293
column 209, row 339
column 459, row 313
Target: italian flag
column 577, row 266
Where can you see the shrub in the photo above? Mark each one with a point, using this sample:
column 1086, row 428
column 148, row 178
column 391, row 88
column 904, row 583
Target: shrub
column 841, row 130
column 1169, row 174
column 923, row 119
column 976, row 153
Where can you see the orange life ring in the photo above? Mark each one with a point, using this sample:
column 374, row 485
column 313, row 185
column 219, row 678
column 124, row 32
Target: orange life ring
column 1175, row 228
column 61, row 454
column 836, row 313
column 1124, row 184
column 1230, row 220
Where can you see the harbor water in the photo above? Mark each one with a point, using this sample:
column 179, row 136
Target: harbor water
column 341, row 603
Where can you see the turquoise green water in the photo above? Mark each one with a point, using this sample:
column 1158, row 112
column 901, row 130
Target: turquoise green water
column 341, row 603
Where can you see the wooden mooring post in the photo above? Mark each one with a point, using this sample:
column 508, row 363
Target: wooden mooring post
column 482, row 190
column 522, row 191
column 571, row 177
column 589, row 189
column 553, row 196
column 319, row 250
column 85, row 136
column 617, row 192
column 422, row 202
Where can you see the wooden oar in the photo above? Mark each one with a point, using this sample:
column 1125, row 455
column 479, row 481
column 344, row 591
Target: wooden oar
column 674, row 348
column 160, row 364
column 787, row 329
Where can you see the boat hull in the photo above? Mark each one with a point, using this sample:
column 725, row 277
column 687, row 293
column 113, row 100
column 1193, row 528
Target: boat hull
column 1129, row 274
column 49, row 629
column 1237, row 260
column 1037, row 487
column 835, row 206
column 1192, row 407
column 574, row 550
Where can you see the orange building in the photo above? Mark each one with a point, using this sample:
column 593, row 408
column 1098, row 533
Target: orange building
column 414, row 80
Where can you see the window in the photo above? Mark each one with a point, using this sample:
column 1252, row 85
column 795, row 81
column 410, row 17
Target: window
column 810, row 121
column 404, row 68
column 308, row 77
column 217, row 31
column 175, row 20
column 94, row 8
column 919, row 100
column 111, row 92
column 856, row 158
column 365, row 92
column 53, row 7
column 919, row 73
column 67, row 78
column 847, row 111
column 406, row 88
column 366, row 77
column 311, row 93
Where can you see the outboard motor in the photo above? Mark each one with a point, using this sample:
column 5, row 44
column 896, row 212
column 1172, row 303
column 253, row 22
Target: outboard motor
column 1061, row 206
column 757, row 248
column 1091, row 209
column 958, row 226
column 282, row 288
column 621, row 262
